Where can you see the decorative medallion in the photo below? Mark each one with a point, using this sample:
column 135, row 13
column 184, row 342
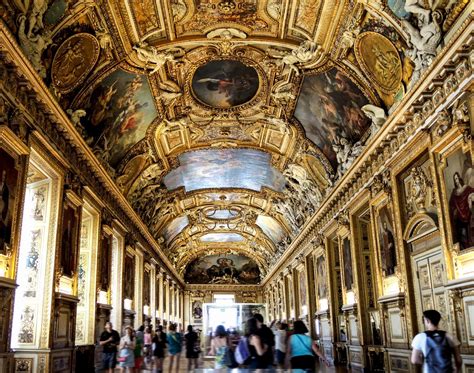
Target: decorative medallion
column 380, row 61
column 225, row 83
column 74, row 60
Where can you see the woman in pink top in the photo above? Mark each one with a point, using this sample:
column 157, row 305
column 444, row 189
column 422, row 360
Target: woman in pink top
column 147, row 342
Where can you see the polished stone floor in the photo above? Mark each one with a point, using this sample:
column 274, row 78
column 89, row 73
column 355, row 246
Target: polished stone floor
column 206, row 366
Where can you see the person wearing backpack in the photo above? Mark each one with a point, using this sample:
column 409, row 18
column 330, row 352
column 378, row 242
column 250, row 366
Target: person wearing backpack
column 174, row 346
column 435, row 348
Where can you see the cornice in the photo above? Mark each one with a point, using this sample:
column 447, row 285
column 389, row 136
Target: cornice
column 29, row 93
column 417, row 111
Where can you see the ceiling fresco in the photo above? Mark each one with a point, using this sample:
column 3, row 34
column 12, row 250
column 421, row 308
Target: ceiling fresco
column 224, row 168
column 224, row 119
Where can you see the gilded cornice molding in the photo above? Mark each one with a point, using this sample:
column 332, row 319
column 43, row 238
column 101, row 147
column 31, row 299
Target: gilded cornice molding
column 25, row 89
column 217, row 287
column 451, row 72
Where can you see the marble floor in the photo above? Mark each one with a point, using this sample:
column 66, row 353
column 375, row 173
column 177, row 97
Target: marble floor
column 206, row 365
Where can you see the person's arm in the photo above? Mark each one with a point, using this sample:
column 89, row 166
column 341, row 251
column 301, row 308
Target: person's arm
column 103, row 341
column 318, row 352
column 132, row 344
column 416, row 357
column 259, row 346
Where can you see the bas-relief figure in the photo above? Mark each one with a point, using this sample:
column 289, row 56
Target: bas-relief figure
column 302, row 288
column 119, row 109
column 329, row 108
column 8, row 195
column 459, row 186
column 228, row 269
column 306, row 52
column 321, row 277
column 129, row 278
column 388, row 252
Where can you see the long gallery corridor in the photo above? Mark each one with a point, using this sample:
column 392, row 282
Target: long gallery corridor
column 269, row 185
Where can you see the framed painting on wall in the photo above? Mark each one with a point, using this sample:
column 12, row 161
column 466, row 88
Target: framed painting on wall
column 386, row 240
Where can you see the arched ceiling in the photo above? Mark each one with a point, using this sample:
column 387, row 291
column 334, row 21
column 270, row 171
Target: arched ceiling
column 225, row 123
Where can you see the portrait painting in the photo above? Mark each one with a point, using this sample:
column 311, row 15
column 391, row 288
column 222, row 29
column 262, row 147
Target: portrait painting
column 321, row 277
column 225, row 168
column 105, row 261
column 329, row 107
column 388, row 252
column 218, row 269
column 225, row 83
column 119, row 111
column 69, row 239
column 302, row 288
column 129, row 277
column 459, row 187
column 146, row 287
column 197, row 310
column 347, row 256
column 8, row 198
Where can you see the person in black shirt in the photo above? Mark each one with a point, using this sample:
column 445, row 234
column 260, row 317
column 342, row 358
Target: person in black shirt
column 192, row 347
column 159, row 345
column 268, row 338
column 109, row 340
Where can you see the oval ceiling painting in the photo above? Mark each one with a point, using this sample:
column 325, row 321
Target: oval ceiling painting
column 222, row 269
column 225, row 83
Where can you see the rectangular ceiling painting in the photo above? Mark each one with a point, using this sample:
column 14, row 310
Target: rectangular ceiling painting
column 225, row 168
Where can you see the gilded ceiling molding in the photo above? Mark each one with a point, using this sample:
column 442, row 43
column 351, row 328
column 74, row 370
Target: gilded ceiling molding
column 403, row 123
column 44, row 113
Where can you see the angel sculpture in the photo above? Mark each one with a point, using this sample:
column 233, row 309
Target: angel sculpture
column 377, row 115
column 306, row 52
column 151, row 55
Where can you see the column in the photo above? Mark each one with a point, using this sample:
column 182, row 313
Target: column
column 138, row 301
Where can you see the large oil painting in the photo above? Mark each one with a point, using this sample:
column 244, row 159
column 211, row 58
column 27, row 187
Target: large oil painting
column 222, row 237
column 225, row 168
column 225, row 83
column 459, row 187
column 119, row 111
column 302, row 291
column 8, row 194
column 105, row 263
column 388, row 252
column 329, row 107
column 271, row 228
column 218, row 269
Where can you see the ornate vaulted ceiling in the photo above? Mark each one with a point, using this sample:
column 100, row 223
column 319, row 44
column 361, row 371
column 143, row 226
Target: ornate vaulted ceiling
column 225, row 123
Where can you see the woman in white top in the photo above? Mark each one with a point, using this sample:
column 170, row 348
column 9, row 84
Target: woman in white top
column 219, row 347
column 281, row 335
column 127, row 345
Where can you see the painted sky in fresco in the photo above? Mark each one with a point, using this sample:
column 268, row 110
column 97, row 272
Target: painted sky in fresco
column 271, row 228
column 329, row 106
column 119, row 111
column 175, row 227
column 225, row 168
column 222, row 237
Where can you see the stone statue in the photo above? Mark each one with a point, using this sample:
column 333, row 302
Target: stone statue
column 169, row 91
column 151, row 55
column 424, row 37
column 306, row 52
column 76, row 115
column 35, row 18
column 346, row 153
column 105, row 42
column 377, row 115
column 34, row 45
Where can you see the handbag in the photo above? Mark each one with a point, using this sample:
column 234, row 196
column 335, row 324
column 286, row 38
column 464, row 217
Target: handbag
column 122, row 359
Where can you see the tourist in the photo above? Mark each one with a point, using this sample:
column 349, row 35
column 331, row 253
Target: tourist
column 192, row 347
column 257, row 349
column 174, row 340
column 220, row 348
column 159, row 345
column 147, row 341
column 138, row 351
column 109, row 340
column 268, row 338
column 280, row 343
column 127, row 347
column 301, row 349
column 435, row 348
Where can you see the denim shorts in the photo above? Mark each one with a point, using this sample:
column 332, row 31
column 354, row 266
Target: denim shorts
column 109, row 360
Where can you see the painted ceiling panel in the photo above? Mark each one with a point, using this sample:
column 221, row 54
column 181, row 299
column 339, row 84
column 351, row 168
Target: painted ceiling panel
column 175, row 228
column 225, row 168
column 222, row 237
column 271, row 228
column 329, row 108
column 228, row 269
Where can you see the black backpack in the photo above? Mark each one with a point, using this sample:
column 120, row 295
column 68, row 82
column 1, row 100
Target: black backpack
column 438, row 352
